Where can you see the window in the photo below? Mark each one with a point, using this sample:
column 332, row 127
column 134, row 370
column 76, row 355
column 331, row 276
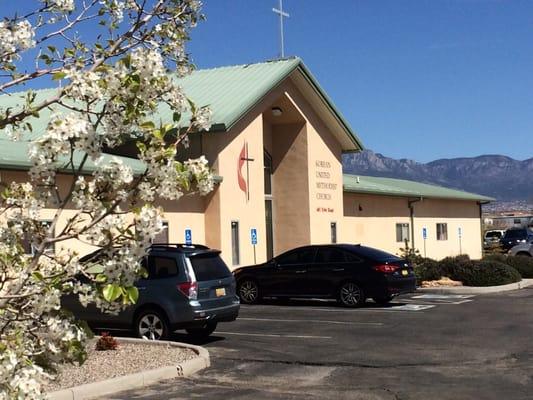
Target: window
column 267, row 162
column 442, row 231
column 402, row 232
column 330, row 256
column 162, row 237
column 333, row 228
column 208, row 267
column 30, row 243
column 162, row 267
column 302, row 256
column 517, row 221
column 235, row 251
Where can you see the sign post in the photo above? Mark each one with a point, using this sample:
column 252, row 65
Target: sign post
column 253, row 238
column 188, row 237
column 425, row 236
column 460, row 233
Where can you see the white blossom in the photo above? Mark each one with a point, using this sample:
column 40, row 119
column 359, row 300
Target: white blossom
column 60, row 5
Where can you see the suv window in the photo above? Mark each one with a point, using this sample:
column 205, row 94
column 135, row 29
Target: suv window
column 493, row 234
column 208, row 267
column 162, row 267
column 330, row 256
column 300, row 256
column 515, row 234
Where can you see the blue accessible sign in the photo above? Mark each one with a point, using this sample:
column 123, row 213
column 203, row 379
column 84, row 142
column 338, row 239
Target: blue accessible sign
column 188, row 236
column 424, row 233
column 253, row 236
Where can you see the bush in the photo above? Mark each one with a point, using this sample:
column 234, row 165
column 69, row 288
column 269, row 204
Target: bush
column 427, row 270
column 523, row 264
column 487, row 273
column 106, row 342
column 455, row 268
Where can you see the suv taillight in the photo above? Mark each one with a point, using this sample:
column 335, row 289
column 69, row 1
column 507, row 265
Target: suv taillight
column 189, row 289
column 386, row 269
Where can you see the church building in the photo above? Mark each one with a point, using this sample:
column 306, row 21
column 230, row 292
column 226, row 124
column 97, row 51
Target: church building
column 276, row 145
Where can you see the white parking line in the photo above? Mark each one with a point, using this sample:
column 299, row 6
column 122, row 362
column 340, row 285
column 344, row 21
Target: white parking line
column 312, row 320
column 443, row 296
column 433, row 301
column 274, row 335
column 356, row 310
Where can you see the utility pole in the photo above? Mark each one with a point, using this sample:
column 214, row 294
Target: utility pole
column 281, row 14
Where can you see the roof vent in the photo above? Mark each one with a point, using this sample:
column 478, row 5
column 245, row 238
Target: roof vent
column 357, row 179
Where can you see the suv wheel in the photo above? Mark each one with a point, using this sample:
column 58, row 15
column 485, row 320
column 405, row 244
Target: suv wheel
column 351, row 295
column 248, row 291
column 202, row 332
column 151, row 324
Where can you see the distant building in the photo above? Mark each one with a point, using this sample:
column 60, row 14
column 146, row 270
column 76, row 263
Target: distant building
column 508, row 221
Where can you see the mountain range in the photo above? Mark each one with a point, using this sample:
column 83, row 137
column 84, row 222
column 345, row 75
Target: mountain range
column 497, row 176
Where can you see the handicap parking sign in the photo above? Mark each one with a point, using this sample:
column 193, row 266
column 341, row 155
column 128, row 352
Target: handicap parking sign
column 188, row 236
column 253, row 235
column 424, row 233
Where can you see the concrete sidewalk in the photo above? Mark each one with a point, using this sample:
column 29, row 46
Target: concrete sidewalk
column 477, row 289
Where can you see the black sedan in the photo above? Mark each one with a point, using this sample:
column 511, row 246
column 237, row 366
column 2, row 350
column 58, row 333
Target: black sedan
column 349, row 273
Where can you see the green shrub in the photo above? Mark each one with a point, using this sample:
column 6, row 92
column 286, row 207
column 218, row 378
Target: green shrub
column 523, row 264
column 455, row 267
column 427, row 270
column 487, row 273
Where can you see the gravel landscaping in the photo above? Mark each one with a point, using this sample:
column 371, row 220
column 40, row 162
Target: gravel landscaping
column 129, row 358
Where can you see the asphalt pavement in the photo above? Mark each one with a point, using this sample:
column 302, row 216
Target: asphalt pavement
column 421, row 347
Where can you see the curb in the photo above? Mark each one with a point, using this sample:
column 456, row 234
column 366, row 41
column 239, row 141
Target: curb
column 139, row 379
column 524, row 283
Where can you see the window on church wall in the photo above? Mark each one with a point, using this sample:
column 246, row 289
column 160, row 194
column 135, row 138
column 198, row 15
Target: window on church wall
column 442, row 231
column 162, row 237
column 402, row 232
column 235, row 247
column 267, row 172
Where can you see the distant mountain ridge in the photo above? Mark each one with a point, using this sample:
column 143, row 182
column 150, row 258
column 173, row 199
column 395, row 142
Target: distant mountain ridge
column 501, row 177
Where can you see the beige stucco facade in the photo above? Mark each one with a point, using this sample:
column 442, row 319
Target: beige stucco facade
column 371, row 220
column 307, row 200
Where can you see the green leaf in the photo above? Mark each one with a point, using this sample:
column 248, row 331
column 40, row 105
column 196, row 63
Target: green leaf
column 147, row 125
column 37, row 276
column 111, row 292
column 133, row 294
column 58, row 75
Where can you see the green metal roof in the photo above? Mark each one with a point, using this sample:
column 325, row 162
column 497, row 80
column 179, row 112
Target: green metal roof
column 14, row 156
column 231, row 92
column 404, row 188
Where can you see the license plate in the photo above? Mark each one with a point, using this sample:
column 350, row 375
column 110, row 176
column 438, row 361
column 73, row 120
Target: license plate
column 405, row 272
column 220, row 292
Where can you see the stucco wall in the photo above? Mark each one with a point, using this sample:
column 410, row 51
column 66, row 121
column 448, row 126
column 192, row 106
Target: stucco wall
column 371, row 220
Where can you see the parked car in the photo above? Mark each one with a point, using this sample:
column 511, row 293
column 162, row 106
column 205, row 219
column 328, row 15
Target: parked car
column 514, row 236
column 188, row 287
column 523, row 249
column 349, row 273
column 492, row 237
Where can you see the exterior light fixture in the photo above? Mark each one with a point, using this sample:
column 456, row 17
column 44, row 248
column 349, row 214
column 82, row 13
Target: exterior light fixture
column 276, row 111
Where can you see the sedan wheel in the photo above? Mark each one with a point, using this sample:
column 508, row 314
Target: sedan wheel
column 248, row 292
column 351, row 295
column 151, row 325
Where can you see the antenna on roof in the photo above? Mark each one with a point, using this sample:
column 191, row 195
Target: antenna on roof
column 281, row 14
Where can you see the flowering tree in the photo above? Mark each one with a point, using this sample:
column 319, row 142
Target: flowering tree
column 109, row 88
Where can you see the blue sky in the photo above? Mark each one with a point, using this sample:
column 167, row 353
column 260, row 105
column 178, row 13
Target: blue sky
column 422, row 79
column 418, row 79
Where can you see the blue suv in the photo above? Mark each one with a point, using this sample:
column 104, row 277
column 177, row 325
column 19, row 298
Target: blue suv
column 188, row 287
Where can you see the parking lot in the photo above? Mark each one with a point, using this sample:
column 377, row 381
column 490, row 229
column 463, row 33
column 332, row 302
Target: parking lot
column 420, row 347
